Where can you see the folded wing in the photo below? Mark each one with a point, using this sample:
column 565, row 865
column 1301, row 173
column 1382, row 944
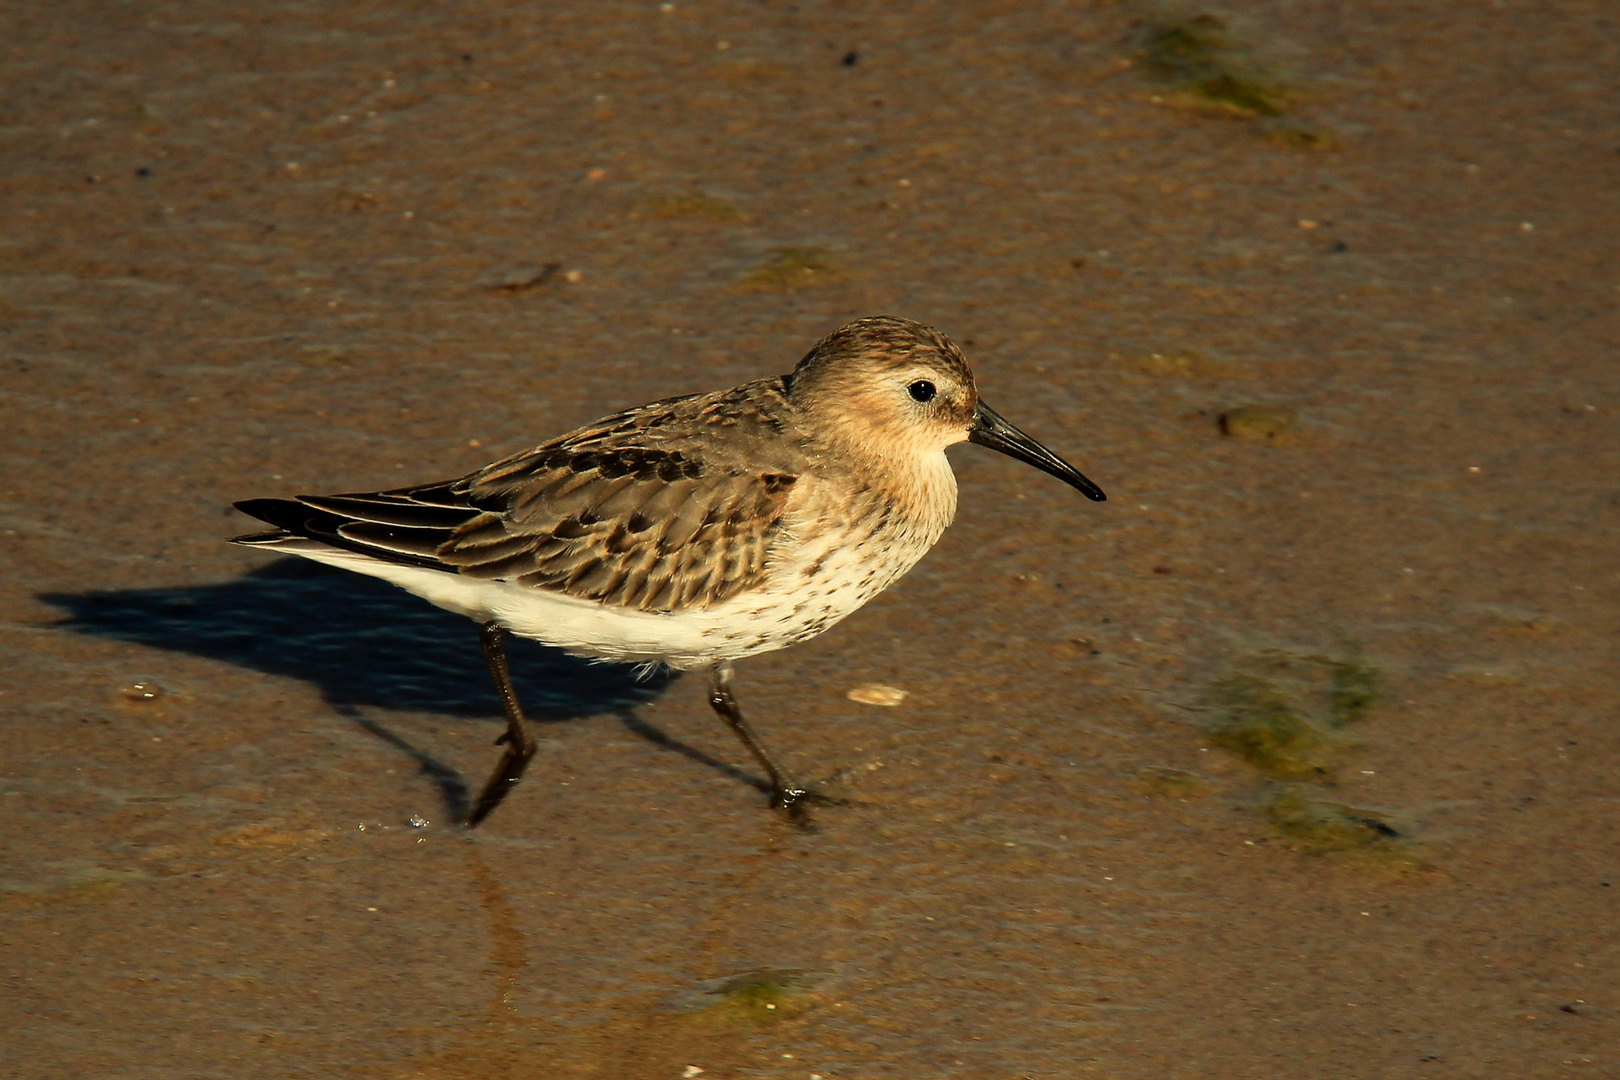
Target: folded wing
column 615, row 513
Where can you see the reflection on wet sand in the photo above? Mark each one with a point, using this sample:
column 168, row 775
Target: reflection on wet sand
column 709, row 1028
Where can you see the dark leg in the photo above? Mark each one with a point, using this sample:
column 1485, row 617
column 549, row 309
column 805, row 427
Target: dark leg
column 782, row 792
column 519, row 743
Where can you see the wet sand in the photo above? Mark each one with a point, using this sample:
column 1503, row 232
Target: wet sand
column 1295, row 758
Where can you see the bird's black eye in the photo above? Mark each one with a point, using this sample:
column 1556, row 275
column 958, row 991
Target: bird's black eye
column 922, row 390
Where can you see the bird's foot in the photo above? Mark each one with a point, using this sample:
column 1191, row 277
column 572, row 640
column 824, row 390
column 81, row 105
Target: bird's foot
column 797, row 801
column 788, row 798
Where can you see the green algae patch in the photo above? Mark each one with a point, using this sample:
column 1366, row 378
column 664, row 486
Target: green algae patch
column 1205, row 69
column 1262, row 725
column 1282, row 712
column 1261, row 424
column 754, row 999
column 1352, row 688
column 1336, row 691
column 692, row 206
column 790, row 270
column 1327, row 828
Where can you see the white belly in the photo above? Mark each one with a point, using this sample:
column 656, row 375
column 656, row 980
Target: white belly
column 794, row 606
column 834, row 555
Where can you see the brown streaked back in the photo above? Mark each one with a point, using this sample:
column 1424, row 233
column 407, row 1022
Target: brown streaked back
column 646, row 509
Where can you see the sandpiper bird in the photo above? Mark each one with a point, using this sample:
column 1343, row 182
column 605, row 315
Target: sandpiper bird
column 688, row 532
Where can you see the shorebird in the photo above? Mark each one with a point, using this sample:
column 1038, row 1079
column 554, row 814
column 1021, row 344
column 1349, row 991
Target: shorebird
column 689, row 532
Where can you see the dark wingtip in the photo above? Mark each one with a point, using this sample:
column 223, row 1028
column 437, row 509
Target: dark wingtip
column 282, row 513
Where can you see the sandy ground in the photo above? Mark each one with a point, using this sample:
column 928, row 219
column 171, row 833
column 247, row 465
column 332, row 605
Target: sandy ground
column 1294, row 759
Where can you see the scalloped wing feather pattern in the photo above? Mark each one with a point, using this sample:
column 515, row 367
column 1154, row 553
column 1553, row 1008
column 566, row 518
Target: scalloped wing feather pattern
column 639, row 510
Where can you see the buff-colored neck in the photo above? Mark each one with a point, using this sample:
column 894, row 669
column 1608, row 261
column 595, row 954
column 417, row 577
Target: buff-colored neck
column 904, row 465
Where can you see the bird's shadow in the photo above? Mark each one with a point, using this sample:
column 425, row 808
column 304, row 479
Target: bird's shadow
column 367, row 644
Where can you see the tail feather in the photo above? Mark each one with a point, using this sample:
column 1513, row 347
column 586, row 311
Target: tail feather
column 297, row 519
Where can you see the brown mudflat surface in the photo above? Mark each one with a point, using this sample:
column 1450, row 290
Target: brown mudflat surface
column 1294, row 759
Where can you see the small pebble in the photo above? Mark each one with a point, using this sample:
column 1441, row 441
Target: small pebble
column 145, row 688
column 877, row 694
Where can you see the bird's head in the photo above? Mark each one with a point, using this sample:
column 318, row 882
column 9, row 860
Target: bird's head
column 898, row 389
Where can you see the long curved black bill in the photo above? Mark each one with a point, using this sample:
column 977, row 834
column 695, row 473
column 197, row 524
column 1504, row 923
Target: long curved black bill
column 989, row 429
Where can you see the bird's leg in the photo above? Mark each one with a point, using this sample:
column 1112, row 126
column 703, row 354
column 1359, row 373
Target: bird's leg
column 519, row 743
column 783, row 793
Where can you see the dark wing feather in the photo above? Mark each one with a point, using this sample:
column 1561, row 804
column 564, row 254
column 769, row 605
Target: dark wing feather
column 647, row 509
column 402, row 509
column 653, row 509
column 385, row 525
